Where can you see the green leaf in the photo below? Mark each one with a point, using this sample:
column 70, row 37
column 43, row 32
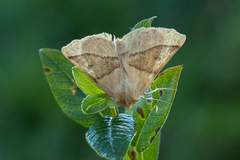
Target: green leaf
column 86, row 84
column 110, row 103
column 65, row 91
column 92, row 104
column 151, row 116
column 152, row 152
column 167, row 79
column 111, row 137
column 141, row 111
column 144, row 23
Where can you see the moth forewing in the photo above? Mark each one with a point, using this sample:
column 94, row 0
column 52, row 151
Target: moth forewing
column 96, row 57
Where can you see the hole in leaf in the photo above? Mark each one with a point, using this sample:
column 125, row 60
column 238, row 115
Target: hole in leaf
column 74, row 89
column 156, row 132
column 133, row 153
column 47, row 70
column 161, row 92
column 140, row 111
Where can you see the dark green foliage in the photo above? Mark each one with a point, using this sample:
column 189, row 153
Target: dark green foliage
column 203, row 120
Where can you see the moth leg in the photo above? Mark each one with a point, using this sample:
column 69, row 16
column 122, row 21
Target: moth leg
column 151, row 99
column 157, row 89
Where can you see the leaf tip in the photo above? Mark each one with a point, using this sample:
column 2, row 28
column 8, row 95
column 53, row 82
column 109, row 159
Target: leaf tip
column 152, row 18
column 41, row 50
column 144, row 23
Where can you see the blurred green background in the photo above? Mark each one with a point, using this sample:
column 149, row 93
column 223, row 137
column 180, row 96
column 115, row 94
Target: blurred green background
column 204, row 122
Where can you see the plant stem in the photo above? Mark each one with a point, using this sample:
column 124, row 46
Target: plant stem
column 114, row 113
column 141, row 156
column 100, row 113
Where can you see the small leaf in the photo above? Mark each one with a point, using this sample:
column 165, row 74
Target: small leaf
column 86, row 84
column 151, row 116
column 92, row 104
column 65, row 91
column 144, row 23
column 111, row 137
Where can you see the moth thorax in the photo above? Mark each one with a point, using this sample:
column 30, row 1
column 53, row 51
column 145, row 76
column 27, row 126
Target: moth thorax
column 126, row 95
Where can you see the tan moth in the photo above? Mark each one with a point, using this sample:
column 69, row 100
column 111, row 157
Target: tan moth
column 124, row 68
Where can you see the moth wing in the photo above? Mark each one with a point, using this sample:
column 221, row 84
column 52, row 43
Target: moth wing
column 145, row 51
column 96, row 57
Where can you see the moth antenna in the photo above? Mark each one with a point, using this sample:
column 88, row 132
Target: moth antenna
column 151, row 99
column 157, row 89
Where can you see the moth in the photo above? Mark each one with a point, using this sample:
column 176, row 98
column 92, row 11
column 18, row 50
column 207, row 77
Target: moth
column 124, row 68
